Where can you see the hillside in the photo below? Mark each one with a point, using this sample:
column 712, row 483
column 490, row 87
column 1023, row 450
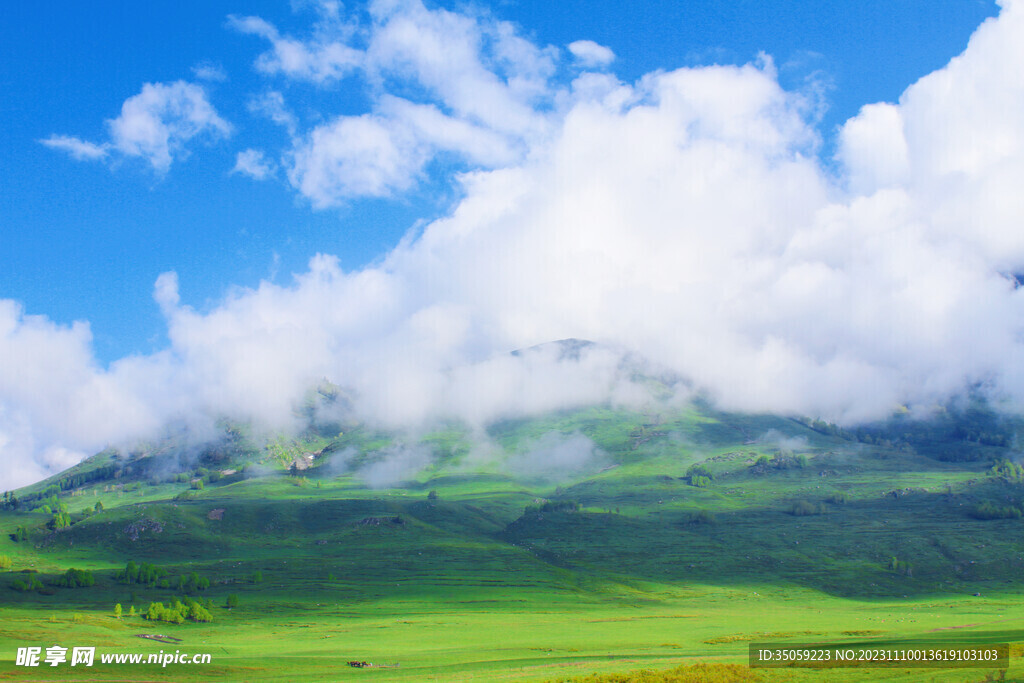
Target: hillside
column 523, row 551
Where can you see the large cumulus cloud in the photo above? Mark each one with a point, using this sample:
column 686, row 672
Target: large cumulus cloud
column 686, row 217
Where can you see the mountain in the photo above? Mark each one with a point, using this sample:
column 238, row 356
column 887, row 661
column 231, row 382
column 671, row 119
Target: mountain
column 594, row 539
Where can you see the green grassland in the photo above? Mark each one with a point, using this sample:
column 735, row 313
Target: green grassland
column 688, row 535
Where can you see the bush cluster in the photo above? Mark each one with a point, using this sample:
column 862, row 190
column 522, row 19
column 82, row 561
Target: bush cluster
column 144, row 573
column 699, row 475
column 176, row 612
column 554, row 506
column 152, row 575
column 1010, row 471
column 33, row 584
column 804, row 508
column 702, row 517
column 76, row 578
column 988, row 510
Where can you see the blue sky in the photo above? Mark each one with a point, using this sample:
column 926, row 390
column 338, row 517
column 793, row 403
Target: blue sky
column 86, row 241
column 207, row 209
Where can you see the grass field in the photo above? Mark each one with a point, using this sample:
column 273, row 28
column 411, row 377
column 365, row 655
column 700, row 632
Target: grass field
column 612, row 555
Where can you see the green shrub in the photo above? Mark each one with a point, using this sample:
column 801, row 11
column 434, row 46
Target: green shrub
column 193, row 583
column 553, row 506
column 176, row 612
column 900, row 567
column 145, row 573
column 61, row 520
column 987, row 510
column 5, row 562
column 700, row 481
column 24, row 586
column 76, row 578
column 803, row 508
column 838, row 498
column 1010, row 471
column 698, row 470
column 702, row 517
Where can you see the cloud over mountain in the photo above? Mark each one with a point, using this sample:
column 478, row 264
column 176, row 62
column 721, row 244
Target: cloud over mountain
column 686, row 216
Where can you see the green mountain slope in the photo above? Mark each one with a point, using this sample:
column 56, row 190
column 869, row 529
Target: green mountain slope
column 526, row 549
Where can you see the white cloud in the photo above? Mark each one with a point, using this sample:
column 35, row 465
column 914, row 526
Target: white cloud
column 322, row 59
column 470, row 86
column 959, row 142
column 78, row 149
column 156, row 125
column 209, row 71
column 590, row 54
column 251, row 162
column 432, row 127
column 394, row 465
column 355, row 156
column 271, row 105
column 557, row 457
column 874, row 150
column 444, row 52
column 378, row 155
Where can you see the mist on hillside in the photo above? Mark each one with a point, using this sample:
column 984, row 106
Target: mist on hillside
column 684, row 223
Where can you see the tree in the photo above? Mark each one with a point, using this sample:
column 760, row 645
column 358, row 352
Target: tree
column 117, row 610
column 232, row 601
column 698, row 470
column 99, row 506
column 131, row 611
column 61, row 520
column 432, row 495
